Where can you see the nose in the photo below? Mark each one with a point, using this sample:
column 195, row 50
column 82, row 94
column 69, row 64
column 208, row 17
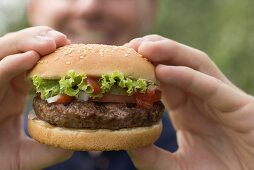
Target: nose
column 86, row 7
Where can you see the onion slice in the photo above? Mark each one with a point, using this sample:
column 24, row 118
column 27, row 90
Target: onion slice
column 53, row 99
column 83, row 96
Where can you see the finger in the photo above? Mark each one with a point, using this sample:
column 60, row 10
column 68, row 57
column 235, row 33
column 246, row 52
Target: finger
column 172, row 96
column 135, row 43
column 20, row 84
column 38, row 156
column 43, row 40
column 68, row 41
column 160, row 50
column 166, row 51
column 213, row 91
column 152, row 157
column 15, row 65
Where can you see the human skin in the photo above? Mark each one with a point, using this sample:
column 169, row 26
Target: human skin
column 212, row 117
column 19, row 52
column 112, row 22
column 89, row 21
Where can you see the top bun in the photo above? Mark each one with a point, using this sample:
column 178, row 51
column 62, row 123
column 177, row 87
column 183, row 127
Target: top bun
column 93, row 60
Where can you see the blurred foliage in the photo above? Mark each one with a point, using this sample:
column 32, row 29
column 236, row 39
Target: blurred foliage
column 12, row 15
column 224, row 29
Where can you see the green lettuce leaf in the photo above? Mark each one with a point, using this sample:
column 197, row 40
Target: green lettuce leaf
column 73, row 83
column 47, row 88
column 116, row 78
column 140, row 85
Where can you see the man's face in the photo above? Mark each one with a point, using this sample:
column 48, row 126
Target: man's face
column 94, row 21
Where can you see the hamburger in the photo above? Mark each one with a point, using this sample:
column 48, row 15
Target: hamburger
column 95, row 97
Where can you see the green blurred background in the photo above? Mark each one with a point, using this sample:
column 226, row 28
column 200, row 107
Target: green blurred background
column 224, row 29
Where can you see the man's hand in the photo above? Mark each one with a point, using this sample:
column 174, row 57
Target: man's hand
column 213, row 118
column 19, row 52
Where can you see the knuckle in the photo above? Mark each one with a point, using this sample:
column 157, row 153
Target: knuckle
column 38, row 30
column 44, row 27
column 42, row 30
column 32, row 31
column 204, row 55
column 153, row 37
column 186, row 69
column 33, row 53
column 24, row 40
column 204, row 61
column 172, row 46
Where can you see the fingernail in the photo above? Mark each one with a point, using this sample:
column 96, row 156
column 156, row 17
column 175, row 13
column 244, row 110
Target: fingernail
column 53, row 34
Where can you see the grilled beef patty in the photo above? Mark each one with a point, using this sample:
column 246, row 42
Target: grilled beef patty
column 96, row 115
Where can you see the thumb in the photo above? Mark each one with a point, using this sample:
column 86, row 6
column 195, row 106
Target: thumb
column 153, row 158
column 17, row 64
column 35, row 155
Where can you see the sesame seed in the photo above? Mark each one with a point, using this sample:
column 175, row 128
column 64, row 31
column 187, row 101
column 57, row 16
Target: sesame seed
column 68, row 62
column 46, row 61
column 101, row 53
column 81, row 57
column 56, row 58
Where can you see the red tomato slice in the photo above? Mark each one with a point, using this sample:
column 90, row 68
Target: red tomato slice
column 147, row 99
column 93, row 81
column 143, row 103
column 111, row 98
column 153, row 93
column 64, row 99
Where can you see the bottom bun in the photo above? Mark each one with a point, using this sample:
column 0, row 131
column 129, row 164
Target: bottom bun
column 89, row 140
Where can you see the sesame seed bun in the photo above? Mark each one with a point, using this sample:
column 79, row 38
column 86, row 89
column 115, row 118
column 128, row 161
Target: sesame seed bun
column 88, row 140
column 94, row 60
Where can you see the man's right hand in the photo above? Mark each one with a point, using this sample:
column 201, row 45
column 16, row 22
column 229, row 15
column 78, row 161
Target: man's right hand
column 19, row 52
column 213, row 119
